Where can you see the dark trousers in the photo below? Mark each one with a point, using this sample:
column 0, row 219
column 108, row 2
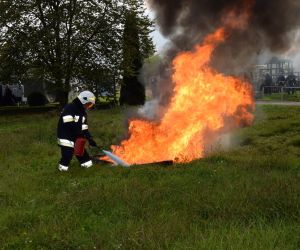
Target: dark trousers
column 67, row 154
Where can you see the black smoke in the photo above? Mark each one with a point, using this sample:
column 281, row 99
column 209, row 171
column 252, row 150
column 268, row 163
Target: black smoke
column 273, row 25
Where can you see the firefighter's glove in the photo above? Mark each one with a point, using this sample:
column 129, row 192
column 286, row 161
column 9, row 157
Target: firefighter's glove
column 92, row 143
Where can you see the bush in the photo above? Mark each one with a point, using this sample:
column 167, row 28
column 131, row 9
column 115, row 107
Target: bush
column 37, row 99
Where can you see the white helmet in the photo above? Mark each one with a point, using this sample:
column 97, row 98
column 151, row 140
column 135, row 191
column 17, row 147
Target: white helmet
column 87, row 97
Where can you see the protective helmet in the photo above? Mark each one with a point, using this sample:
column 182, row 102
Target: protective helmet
column 87, row 97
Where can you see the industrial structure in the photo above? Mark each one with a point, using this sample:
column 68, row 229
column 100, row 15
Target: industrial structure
column 275, row 74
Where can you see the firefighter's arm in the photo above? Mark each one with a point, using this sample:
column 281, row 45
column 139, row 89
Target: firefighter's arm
column 69, row 122
column 87, row 134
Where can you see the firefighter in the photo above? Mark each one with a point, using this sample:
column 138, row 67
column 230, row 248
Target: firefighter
column 72, row 125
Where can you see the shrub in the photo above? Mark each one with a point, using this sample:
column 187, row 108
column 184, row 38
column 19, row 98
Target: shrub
column 37, row 99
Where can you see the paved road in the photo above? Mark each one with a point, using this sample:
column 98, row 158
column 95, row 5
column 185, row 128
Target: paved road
column 278, row 103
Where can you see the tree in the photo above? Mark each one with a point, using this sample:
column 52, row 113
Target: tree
column 13, row 61
column 61, row 34
column 102, row 74
column 137, row 46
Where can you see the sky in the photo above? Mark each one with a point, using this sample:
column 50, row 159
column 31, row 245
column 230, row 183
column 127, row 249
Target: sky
column 158, row 38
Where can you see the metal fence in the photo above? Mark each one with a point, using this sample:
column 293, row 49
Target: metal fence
column 282, row 90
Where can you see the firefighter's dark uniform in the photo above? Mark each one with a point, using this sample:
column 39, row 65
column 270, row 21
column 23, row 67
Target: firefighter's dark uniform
column 72, row 124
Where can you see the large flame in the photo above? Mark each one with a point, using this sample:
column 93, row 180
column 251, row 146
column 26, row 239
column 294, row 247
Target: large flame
column 204, row 103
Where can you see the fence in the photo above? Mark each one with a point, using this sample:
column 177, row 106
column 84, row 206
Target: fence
column 268, row 90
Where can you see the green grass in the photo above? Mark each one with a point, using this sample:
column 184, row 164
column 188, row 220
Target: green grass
column 282, row 97
column 245, row 198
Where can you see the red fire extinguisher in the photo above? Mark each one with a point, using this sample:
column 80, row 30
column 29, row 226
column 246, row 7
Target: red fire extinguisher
column 79, row 146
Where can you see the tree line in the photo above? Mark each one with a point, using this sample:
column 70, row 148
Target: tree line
column 93, row 41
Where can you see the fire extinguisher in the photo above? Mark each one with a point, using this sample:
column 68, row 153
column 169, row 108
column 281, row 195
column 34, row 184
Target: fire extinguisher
column 79, row 146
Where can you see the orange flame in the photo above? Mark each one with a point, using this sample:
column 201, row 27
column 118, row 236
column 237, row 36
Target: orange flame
column 204, row 101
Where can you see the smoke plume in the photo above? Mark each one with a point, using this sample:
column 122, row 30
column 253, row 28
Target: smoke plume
column 272, row 26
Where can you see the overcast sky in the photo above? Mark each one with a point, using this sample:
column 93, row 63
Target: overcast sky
column 159, row 40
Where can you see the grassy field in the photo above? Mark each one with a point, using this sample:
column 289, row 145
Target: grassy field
column 282, row 97
column 245, row 198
